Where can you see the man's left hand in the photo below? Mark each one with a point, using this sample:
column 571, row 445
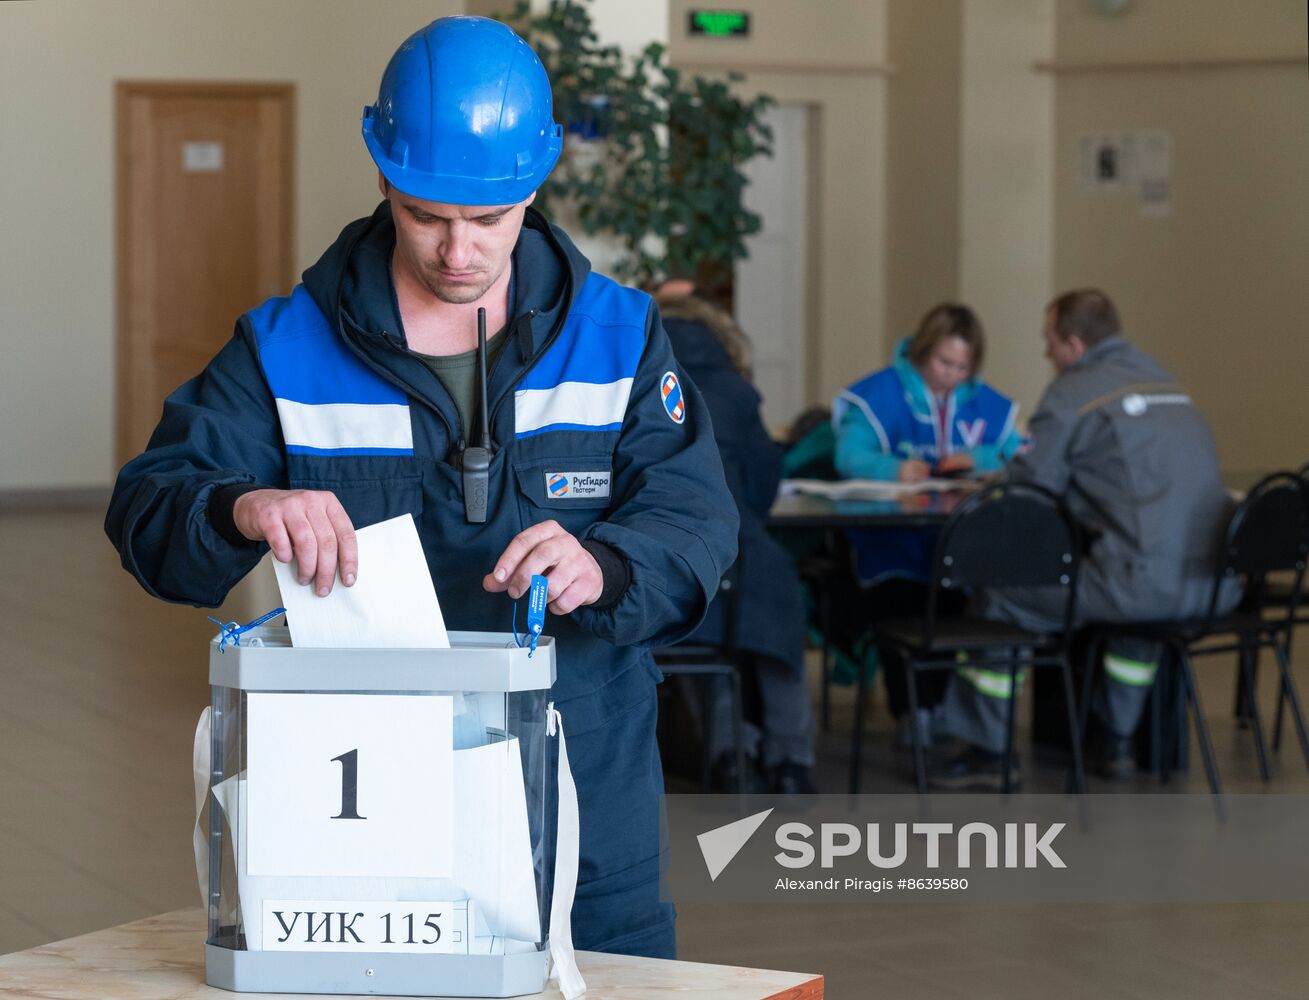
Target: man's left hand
column 549, row 550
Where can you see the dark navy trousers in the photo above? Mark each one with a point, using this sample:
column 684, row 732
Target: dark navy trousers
column 620, row 789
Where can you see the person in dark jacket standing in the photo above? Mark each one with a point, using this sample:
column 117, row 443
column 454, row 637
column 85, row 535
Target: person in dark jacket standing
column 353, row 400
column 767, row 621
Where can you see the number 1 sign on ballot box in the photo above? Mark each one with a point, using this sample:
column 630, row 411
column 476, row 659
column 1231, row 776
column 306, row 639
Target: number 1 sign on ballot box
column 350, row 785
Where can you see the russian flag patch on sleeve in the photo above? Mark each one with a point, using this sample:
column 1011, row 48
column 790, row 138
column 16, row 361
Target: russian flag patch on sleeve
column 671, row 391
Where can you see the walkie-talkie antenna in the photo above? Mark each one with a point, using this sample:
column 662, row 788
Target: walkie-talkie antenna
column 481, row 376
column 477, row 460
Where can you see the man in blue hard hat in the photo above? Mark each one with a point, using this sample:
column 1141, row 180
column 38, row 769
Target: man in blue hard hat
column 355, row 399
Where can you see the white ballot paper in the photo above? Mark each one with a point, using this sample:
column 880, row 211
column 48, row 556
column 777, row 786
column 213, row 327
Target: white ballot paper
column 493, row 854
column 392, row 603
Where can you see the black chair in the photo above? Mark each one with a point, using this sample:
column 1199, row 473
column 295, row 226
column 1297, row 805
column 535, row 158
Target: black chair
column 1281, row 592
column 1268, row 532
column 705, row 660
column 1009, row 535
column 1292, row 596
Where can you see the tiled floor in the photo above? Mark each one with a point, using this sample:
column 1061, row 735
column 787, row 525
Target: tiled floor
column 102, row 686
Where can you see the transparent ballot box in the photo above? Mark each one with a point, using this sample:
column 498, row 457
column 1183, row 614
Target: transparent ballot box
column 379, row 821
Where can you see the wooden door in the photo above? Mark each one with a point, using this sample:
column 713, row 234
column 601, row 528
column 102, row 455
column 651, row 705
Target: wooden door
column 205, row 198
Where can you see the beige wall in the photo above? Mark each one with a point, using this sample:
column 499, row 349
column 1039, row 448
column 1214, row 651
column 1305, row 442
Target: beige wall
column 58, row 63
column 833, row 35
column 1217, row 290
column 970, row 199
column 923, row 133
column 1149, row 30
column 829, row 57
column 1006, row 189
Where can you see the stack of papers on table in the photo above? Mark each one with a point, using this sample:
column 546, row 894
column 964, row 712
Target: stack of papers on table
column 870, row 489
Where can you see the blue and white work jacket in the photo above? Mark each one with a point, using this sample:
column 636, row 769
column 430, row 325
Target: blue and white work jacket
column 889, row 417
column 593, row 425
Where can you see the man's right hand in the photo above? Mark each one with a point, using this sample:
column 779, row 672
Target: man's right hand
column 309, row 526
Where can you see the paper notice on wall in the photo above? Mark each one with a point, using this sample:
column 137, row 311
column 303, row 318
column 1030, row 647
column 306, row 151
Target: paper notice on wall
column 1106, row 162
column 1154, row 150
column 1136, row 163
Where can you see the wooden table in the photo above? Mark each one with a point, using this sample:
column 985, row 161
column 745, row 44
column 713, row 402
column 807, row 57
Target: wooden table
column 162, row 958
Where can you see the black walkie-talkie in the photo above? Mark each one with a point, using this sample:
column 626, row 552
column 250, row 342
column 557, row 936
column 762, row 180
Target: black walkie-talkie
column 477, row 460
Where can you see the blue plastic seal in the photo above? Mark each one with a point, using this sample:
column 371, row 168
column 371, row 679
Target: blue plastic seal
column 536, row 602
column 536, row 605
column 231, row 631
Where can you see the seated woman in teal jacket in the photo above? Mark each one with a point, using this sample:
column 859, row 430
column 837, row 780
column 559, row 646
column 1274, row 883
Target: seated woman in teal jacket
column 927, row 414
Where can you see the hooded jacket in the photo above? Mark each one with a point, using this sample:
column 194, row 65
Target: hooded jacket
column 766, row 602
column 650, row 482
column 889, row 417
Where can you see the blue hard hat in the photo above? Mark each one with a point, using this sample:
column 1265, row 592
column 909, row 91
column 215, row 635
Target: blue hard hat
column 464, row 116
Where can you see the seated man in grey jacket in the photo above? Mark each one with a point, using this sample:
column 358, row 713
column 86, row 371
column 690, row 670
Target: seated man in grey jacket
column 1134, row 460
